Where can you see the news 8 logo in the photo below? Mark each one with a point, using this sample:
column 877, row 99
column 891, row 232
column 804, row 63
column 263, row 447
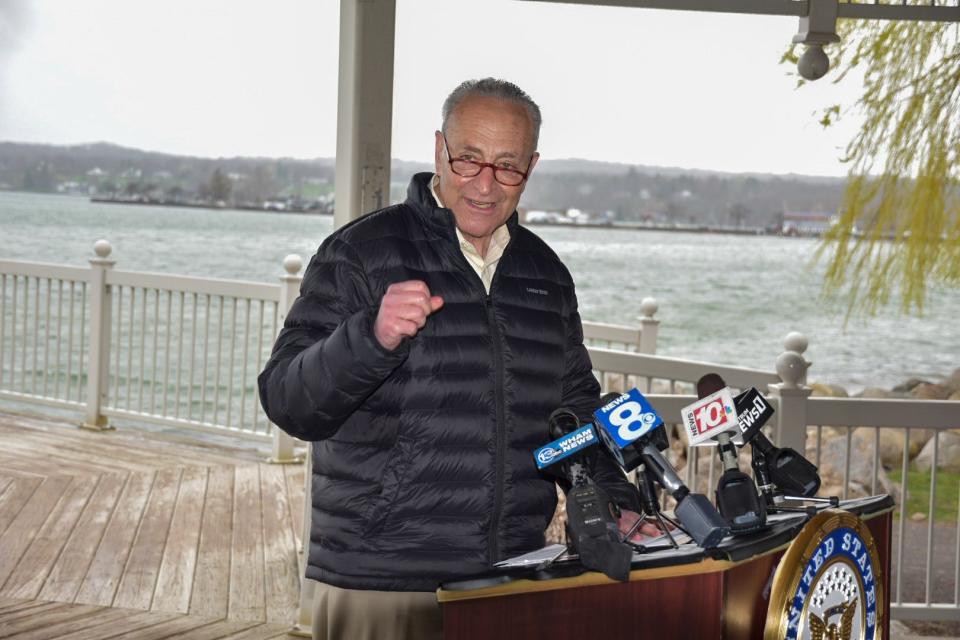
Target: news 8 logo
column 627, row 418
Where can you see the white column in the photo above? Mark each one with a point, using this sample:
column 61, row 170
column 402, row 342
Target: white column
column 648, row 326
column 282, row 444
column 99, row 352
column 364, row 108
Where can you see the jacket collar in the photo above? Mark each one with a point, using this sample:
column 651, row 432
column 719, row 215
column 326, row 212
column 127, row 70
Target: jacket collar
column 439, row 219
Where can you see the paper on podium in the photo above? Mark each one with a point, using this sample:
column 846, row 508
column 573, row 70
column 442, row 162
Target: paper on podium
column 540, row 556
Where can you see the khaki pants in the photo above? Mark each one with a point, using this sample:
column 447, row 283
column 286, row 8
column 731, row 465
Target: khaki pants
column 349, row 614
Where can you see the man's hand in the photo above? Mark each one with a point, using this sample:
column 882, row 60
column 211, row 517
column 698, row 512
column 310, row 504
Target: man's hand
column 403, row 311
column 643, row 532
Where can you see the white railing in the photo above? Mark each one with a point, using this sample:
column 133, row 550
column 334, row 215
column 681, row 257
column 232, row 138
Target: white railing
column 185, row 352
column 165, row 349
column 899, row 417
column 642, row 339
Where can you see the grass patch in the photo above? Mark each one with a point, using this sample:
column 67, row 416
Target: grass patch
column 918, row 494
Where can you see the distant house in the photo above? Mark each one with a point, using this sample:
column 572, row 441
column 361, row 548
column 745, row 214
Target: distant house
column 570, row 216
column 549, row 217
column 806, row 223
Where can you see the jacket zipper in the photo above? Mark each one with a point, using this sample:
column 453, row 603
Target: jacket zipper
column 493, row 542
column 493, row 545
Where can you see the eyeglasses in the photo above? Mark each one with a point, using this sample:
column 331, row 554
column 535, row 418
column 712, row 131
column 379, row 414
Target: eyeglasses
column 470, row 168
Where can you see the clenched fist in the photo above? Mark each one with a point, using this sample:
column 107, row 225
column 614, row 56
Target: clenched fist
column 403, row 311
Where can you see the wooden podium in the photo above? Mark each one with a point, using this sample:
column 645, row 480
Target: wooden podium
column 686, row 593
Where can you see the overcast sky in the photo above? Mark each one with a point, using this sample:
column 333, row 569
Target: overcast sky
column 237, row 77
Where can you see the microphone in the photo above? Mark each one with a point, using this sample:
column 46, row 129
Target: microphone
column 591, row 515
column 782, row 468
column 632, row 432
column 714, row 418
column 573, row 441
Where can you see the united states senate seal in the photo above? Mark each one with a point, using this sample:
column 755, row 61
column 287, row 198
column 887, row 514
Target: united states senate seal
column 828, row 585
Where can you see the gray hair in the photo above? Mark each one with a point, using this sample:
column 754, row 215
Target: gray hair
column 494, row 88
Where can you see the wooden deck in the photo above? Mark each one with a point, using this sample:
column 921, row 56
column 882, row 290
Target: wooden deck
column 132, row 533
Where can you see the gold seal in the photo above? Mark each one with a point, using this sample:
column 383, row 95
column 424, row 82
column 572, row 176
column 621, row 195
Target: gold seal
column 829, row 583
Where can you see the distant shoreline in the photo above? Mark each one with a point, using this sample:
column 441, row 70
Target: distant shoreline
column 679, row 229
column 756, row 231
column 207, row 205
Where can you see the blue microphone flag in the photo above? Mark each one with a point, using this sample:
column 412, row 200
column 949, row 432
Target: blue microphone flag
column 564, row 447
column 627, row 418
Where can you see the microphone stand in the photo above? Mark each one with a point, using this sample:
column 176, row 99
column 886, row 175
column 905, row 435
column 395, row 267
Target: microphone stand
column 774, row 500
column 809, row 509
column 651, row 507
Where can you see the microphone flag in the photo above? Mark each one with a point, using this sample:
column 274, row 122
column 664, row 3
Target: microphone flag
column 708, row 417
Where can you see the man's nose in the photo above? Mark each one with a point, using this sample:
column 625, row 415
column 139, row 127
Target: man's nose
column 485, row 179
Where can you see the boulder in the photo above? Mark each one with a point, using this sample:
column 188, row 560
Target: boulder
column 613, row 383
column 891, row 444
column 828, row 390
column 891, row 440
column 908, row 386
column 953, row 381
column 832, row 459
column 878, row 393
column 948, row 454
column 661, row 387
column 677, row 453
column 930, row 391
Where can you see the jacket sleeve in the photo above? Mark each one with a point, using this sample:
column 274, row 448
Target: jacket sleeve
column 326, row 360
column 581, row 394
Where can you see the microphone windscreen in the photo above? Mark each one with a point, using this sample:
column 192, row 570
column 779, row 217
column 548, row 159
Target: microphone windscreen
column 738, row 502
column 709, row 384
column 607, row 398
column 561, row 422
column 701, row 520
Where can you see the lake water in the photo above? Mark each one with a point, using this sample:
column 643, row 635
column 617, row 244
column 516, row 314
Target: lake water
column 725, row 299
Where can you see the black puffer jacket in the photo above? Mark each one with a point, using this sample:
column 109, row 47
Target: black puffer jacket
column 423, row 468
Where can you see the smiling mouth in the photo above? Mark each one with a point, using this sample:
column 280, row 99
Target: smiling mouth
column 480, row 205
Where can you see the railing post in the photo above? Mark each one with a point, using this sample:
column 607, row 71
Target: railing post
column 99, row 354
column 792, row 393
column 796, row 341
column 304, row 620
column 648, row 327
column 282, row 444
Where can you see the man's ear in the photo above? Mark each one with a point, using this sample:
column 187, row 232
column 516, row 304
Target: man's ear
column 437, row 151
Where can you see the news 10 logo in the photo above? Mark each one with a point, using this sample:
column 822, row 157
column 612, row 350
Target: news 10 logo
column 709, row 416
column 627, row 418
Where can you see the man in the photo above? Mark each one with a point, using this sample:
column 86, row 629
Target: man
column 429, row 345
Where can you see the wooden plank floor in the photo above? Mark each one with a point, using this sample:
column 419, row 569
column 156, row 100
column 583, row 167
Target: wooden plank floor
column 38, row 620
column 132, row 533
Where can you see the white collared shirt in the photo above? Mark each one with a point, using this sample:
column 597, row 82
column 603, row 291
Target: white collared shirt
column 485, row 266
